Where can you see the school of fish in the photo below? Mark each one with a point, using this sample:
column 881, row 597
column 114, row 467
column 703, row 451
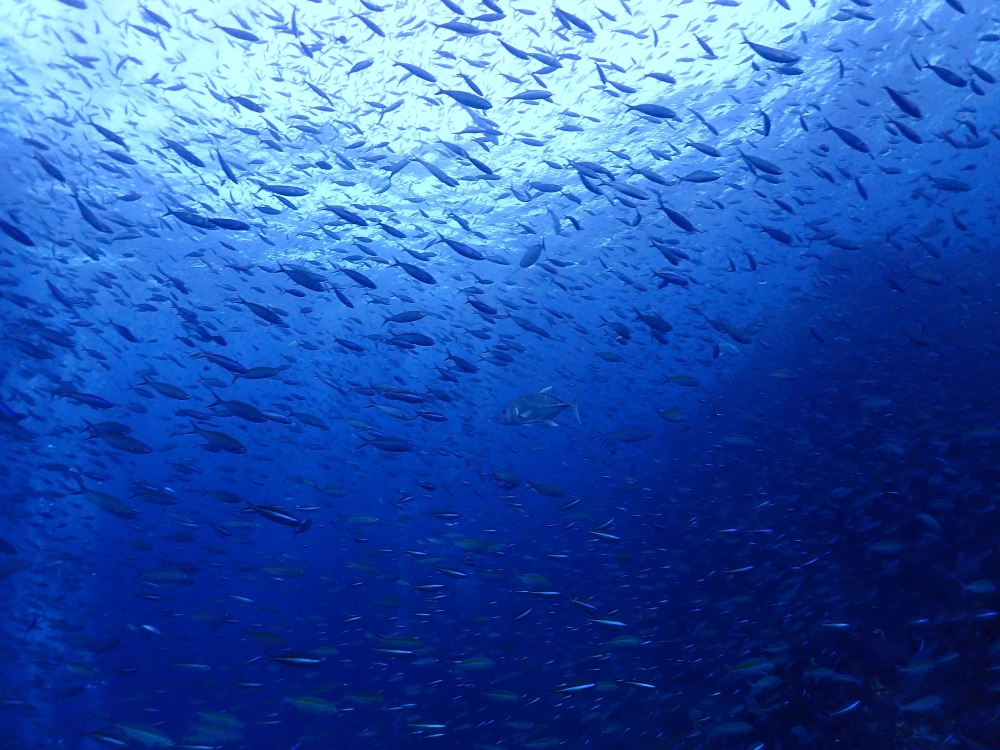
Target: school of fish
column 499, row 374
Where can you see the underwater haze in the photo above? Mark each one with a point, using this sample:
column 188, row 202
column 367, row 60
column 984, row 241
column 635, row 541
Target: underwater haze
column 499, row 374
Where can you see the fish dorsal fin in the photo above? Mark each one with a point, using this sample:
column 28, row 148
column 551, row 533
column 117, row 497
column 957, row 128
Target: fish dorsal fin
column 545, row 390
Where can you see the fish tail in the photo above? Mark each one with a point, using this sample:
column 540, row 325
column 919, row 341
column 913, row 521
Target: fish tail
column 576, row 411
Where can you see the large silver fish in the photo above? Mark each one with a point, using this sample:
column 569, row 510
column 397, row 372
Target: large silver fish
column 537, row 408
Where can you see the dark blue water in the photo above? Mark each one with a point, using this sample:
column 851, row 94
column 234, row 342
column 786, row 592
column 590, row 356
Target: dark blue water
column 421, row 374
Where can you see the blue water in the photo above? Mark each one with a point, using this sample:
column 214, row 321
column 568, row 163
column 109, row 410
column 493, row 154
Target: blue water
column 611, row 375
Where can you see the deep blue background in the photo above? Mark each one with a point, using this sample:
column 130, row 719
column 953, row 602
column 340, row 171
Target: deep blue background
column 774, row 522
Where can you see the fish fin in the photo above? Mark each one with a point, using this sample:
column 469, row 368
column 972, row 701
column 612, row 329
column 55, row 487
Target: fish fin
column 545, row 390
column 576, row 411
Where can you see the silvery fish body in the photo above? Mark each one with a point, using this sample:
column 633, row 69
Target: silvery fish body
column 536, row 408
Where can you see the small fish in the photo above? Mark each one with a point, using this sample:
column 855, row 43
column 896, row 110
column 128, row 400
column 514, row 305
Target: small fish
column 920, row 705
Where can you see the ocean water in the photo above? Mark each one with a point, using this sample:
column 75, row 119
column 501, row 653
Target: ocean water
column 499, row 375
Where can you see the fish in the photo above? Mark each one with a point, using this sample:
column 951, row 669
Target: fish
column 849, row 138
column 540, row 408
column 772, row 54
column 920, row 705
column 145, row 735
